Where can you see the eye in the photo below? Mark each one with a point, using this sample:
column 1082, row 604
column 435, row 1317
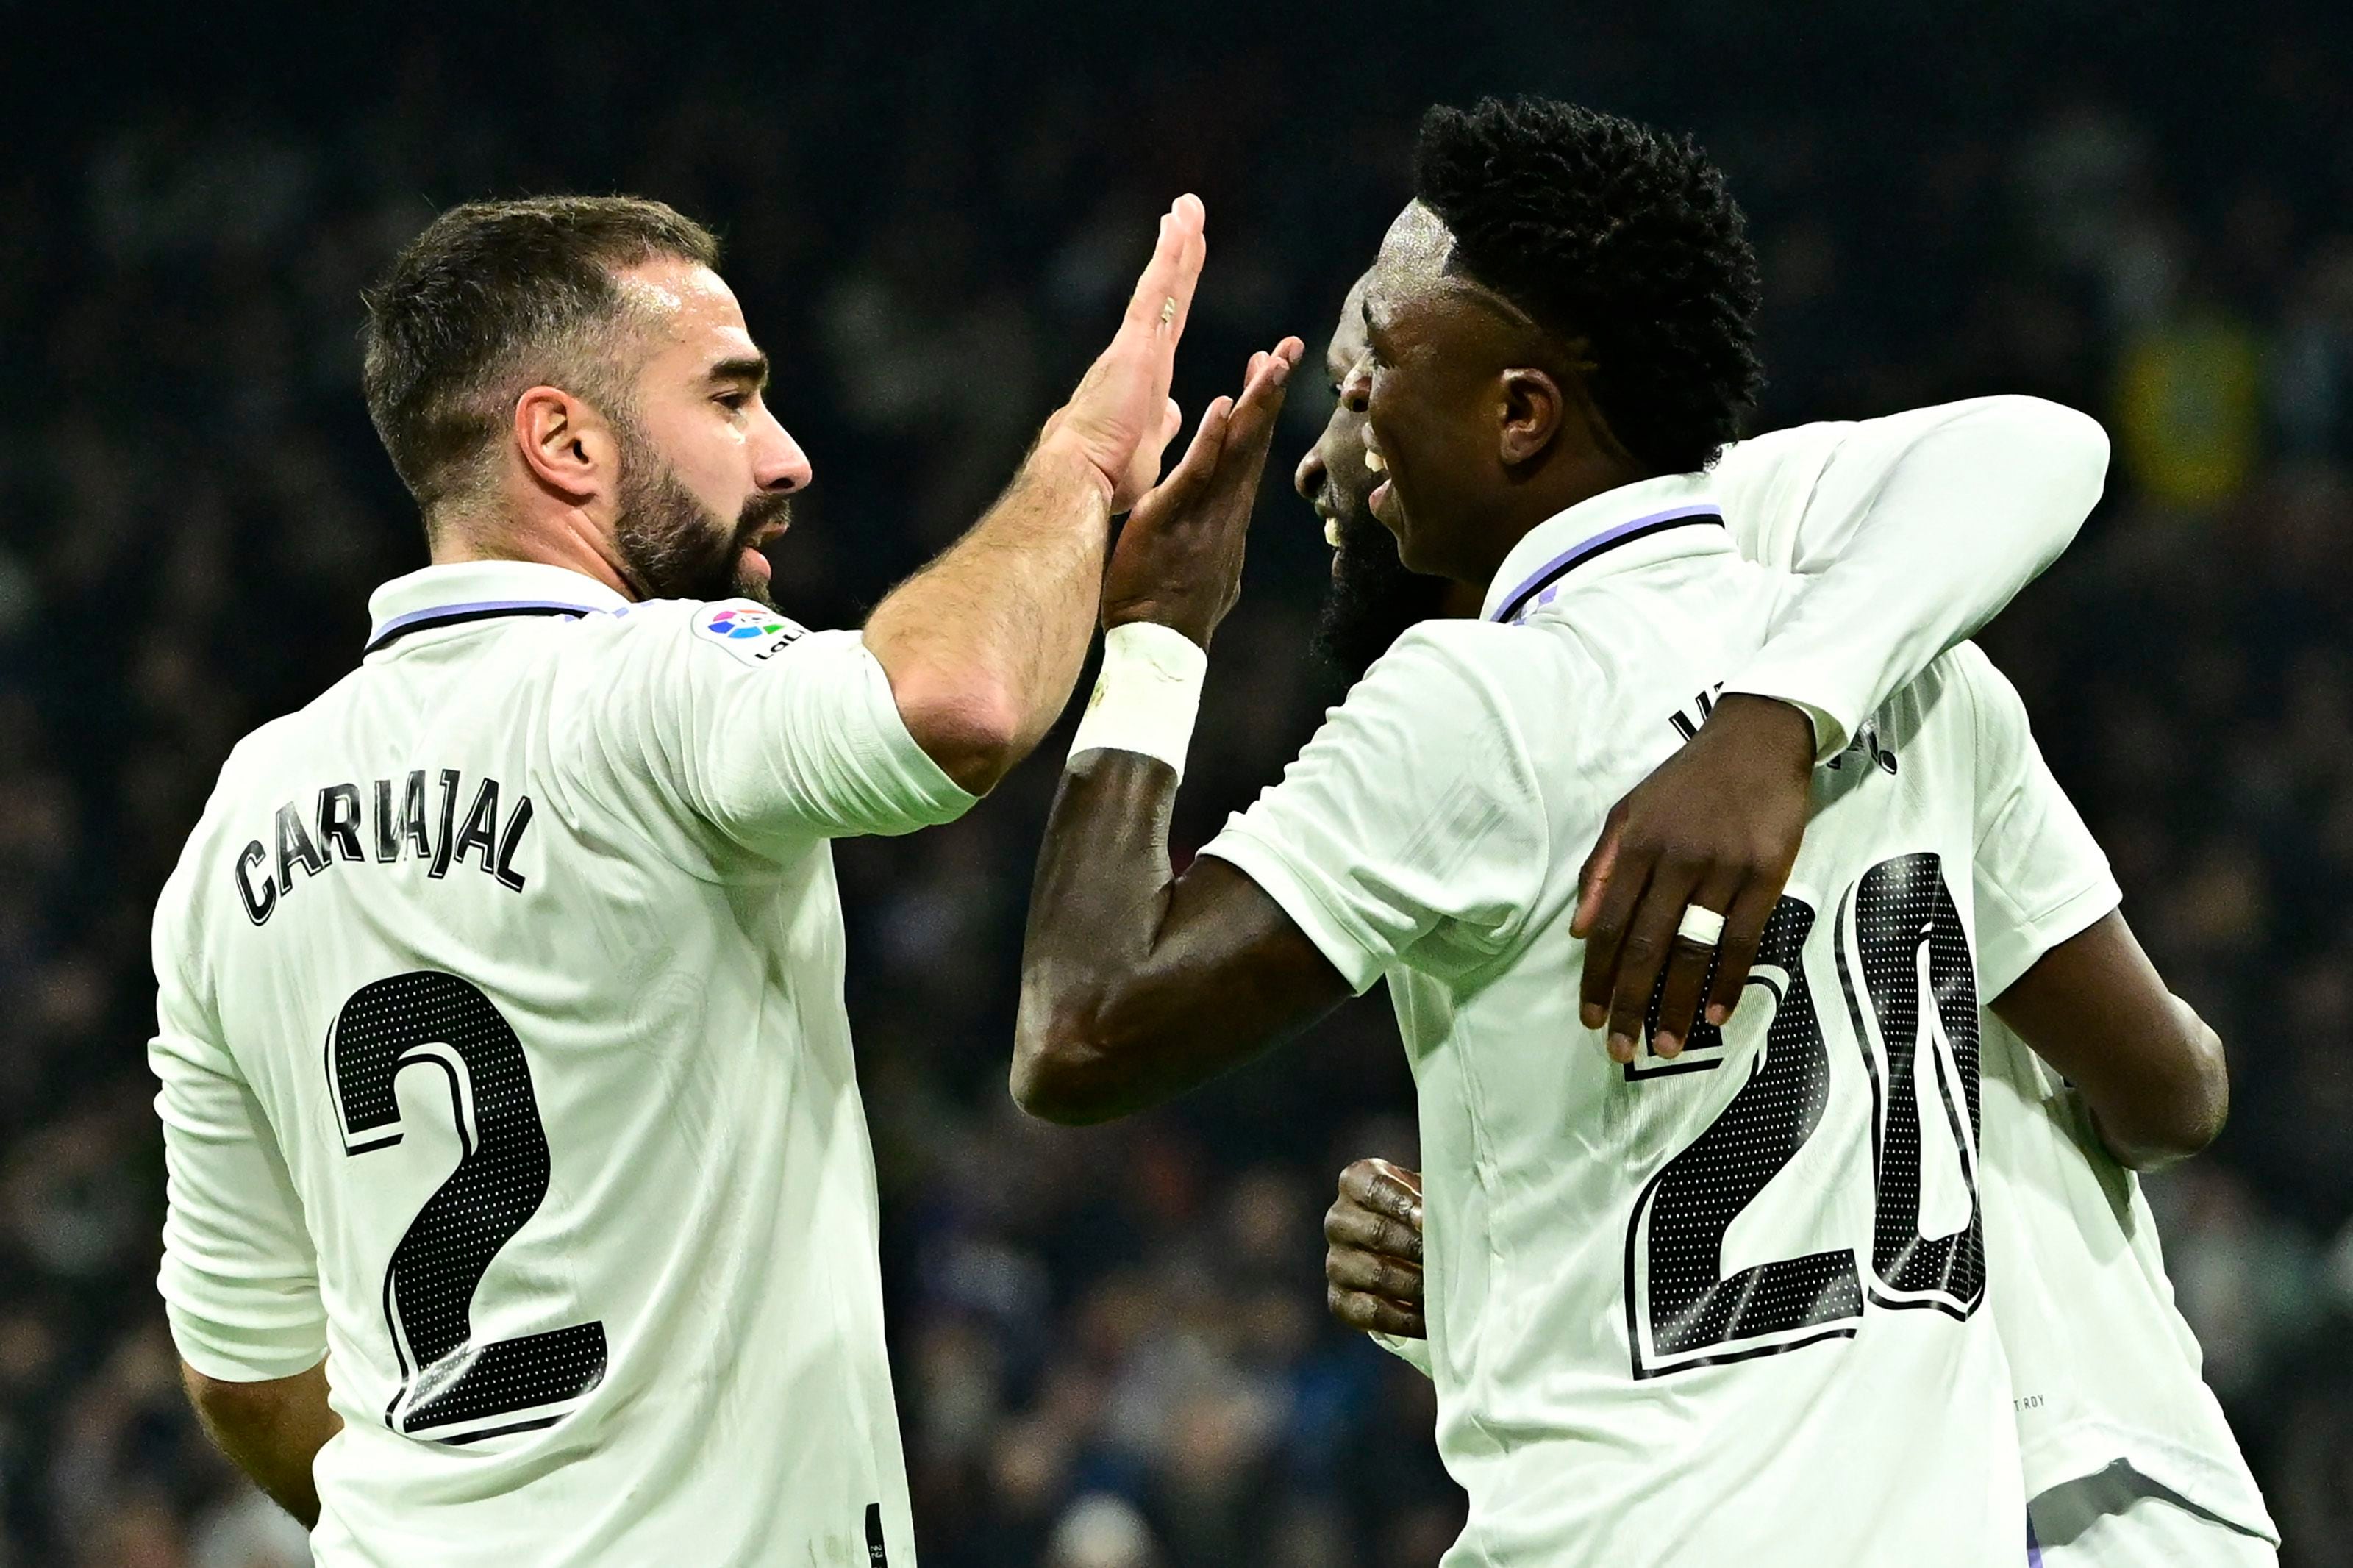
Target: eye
column 733, row 402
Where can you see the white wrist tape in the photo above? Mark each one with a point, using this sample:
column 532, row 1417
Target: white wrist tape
column 1147, row 696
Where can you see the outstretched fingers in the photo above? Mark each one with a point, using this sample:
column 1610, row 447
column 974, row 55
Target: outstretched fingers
column 1200, row 463
column 1163, row 301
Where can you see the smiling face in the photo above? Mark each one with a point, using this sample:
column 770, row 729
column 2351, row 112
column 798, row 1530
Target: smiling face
column 1373, row 597
column 1477, row 420
column 707, row 472
column 1422, row 388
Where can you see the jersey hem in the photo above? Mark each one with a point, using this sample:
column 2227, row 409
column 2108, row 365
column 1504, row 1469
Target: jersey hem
column 2090, row 1446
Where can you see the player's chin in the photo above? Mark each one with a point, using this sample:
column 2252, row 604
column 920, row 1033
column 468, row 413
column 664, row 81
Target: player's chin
column 753, row 576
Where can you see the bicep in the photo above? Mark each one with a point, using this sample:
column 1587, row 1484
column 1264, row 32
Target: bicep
column 2095, row 1008
column 2095, row 1003
column 1270, row 979
column 1223, row 974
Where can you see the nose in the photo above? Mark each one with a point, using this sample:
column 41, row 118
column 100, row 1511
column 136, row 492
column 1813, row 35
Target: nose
column 783, row 466
column 1308, row 479
column 1357, row 386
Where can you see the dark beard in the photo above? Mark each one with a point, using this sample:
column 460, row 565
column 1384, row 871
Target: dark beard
column 674, row 547
column 1373, row 598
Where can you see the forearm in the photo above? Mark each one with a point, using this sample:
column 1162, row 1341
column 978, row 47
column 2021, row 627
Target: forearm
column 1924, row 527
column 273, row 1431
column 983, row 645
column 1096, row 907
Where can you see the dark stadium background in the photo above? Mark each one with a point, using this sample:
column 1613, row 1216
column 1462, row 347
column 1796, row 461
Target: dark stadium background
column 1111, row 1345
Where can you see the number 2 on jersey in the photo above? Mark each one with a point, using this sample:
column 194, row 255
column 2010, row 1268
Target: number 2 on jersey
column 448, row 1382
column 1683, row 1310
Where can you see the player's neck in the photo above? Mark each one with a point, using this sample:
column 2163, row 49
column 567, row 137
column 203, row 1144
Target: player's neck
column 1569, row 481
column 572, row 542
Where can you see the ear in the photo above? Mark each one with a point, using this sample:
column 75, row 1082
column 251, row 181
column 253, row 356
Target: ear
column 1534, row 405
column 566, row 445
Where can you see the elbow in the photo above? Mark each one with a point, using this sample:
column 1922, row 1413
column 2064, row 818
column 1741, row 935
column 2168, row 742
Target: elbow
column 971, row 727
column 2193, row 1114
column 2068, row 448
column 1062, row 1068
column 2206, row 1101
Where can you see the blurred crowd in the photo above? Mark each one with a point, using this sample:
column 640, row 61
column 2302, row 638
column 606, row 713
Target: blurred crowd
column 1110, row 1344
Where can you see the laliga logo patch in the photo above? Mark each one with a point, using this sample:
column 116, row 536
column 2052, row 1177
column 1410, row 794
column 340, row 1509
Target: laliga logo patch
column 752, row 633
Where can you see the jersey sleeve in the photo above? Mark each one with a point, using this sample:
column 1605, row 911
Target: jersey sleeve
column 1765, row 485
column 1911, row 532
column 771, row 740
column 239, row 1277
column 2039, row 876
column 1413, row 812
column 1415, row 1353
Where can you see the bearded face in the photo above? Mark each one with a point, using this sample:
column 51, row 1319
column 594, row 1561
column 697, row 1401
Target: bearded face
column 673, row 546
column 1372, row 599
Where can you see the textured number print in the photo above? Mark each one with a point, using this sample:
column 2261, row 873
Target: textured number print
column 452, row 1387
column 1920, row 988
column 1692, row 1313
column 1911, row 991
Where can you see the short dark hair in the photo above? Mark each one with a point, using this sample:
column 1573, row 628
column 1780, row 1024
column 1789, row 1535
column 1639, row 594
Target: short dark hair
column 1608, row 231
column 491, row 298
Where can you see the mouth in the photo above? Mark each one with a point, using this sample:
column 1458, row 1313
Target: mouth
column 1380, row 502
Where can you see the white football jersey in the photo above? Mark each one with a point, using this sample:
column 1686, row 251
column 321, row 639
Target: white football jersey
column 1730, row 1308
column 597, row 1282
column 2103, row 1369
column 2104, row 1366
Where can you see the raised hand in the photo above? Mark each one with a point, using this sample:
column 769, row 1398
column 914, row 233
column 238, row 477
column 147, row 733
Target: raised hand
column 1120, row 418
column 1372, row 1265
column 1179, row 558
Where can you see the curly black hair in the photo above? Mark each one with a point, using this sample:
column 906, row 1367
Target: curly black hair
column 1609, row 231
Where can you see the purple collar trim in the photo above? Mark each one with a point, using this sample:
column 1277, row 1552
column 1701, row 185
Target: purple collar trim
column 1539, row 588
column 479, row 610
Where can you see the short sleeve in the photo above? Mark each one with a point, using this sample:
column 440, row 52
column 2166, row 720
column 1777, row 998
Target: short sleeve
column 1411, row 831
column 2039, row 876
column 771, row 736
column 240, row 1277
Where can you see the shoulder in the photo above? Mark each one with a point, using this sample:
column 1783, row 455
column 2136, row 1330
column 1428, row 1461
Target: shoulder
column 750, row 631
column 1458, row 694
column 1489, row 664
column 649, row 655
column 270, row 754
column 1777, row 452
column 1777, row 463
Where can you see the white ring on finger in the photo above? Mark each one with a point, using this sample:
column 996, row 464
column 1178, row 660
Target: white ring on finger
column 1705, row 926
